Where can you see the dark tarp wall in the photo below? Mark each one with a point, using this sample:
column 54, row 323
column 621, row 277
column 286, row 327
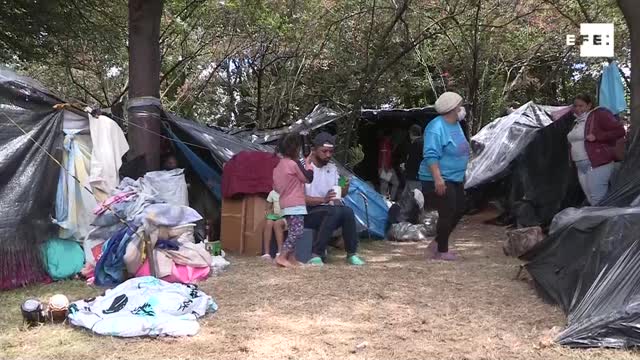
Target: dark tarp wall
column 525, row 156
column 590, row 265
column 393, row 122
column 543, row 179
column 222, row 146
column 28, row 177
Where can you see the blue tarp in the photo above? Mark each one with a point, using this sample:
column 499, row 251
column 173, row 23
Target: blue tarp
column 376, row 206
column 208, row 176
column 611, row 93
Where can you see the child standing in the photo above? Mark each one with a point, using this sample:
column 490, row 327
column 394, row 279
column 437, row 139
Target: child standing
column 275, row 224
column 289, row 178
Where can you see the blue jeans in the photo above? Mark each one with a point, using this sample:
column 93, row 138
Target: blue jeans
column 594, row 181
column 326, row 219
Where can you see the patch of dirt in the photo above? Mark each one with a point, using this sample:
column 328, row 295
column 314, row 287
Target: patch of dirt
column 399, row 306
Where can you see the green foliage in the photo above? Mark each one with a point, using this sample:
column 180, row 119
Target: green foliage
column 355, row 155
column 235, row 62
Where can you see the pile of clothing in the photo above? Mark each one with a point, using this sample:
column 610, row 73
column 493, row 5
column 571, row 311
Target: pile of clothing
column 151, row 211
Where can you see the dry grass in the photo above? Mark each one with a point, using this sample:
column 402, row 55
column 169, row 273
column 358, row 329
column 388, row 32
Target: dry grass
column 397, row 307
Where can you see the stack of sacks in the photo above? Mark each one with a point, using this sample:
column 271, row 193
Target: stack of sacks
column 153, row 207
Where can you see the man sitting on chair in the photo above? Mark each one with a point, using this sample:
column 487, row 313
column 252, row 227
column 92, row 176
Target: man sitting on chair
column 326, row 212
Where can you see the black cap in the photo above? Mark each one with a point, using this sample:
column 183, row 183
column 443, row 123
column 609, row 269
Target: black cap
column 324, row 139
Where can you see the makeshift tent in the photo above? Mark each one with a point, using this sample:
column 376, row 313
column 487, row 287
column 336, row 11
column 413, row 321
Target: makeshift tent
column 39, row 143
column 589, row 264
column 28, row 125
column 222, row 146
column 396, row 123
column 526, row 155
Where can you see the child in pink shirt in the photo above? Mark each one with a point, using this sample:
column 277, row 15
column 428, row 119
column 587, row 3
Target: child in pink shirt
column 289, row 178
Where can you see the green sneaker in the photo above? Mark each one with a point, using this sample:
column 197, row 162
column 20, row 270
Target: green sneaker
column 355, row 260
column 315, row 261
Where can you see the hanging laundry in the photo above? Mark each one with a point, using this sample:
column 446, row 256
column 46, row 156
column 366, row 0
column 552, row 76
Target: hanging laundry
column 73, row 202
column 611, row 93
column 109, row 146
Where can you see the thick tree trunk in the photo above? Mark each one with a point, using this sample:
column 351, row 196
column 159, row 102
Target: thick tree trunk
column 631, row 12
column 144, row 81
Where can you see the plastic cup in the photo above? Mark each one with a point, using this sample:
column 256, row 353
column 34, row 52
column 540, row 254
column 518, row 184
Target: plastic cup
column 338, row 191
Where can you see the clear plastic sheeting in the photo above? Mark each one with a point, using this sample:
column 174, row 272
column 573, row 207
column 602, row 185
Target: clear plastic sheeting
column 319, row 117
column 429, row 220
column 539, row 179
column 501, row 141
column 404, row 232
column 422, row 231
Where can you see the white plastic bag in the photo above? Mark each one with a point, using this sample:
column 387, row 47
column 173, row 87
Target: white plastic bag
column 171, row 186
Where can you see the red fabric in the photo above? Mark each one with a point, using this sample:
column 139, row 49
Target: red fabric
column 249, row 173
column 607, row 130
column 384, row 153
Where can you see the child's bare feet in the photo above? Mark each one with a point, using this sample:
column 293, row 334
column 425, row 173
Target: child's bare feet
column 281, row 260
column 292, row 259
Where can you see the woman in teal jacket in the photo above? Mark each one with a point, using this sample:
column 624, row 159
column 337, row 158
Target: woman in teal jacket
column 442, row 171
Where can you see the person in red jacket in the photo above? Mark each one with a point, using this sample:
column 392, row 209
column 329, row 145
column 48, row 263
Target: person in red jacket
column 385, row 167
column 593, row 143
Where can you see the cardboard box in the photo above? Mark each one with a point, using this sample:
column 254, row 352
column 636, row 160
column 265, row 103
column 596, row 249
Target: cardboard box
column 242, row 224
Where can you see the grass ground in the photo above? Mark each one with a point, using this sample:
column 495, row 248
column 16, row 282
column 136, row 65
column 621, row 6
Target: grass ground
column 397, row 307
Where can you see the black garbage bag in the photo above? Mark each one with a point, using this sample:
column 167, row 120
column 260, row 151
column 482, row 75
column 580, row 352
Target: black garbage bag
column 407, row 210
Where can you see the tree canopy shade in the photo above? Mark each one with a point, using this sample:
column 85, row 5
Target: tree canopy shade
column 234, row 62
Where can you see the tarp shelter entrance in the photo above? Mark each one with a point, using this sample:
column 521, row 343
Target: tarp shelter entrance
column 368, row 205
column 44, row 152
column 590, row 265
column 523, row 158
column 203, row 151
column 393, row 122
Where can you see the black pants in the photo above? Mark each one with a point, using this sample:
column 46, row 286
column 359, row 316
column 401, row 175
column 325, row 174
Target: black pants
column 451, row 207
column 325, row 220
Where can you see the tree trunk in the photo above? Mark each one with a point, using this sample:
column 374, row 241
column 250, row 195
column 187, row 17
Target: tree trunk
column 631, row 12
column 144, row 81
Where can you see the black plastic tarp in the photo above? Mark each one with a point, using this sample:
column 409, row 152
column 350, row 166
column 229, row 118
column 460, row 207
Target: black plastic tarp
column 590, row 265
column 222, row 146
column 28, row 176
column 588, row 250
column 526, row 154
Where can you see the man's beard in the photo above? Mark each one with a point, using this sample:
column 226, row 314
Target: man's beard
column 322, row 162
